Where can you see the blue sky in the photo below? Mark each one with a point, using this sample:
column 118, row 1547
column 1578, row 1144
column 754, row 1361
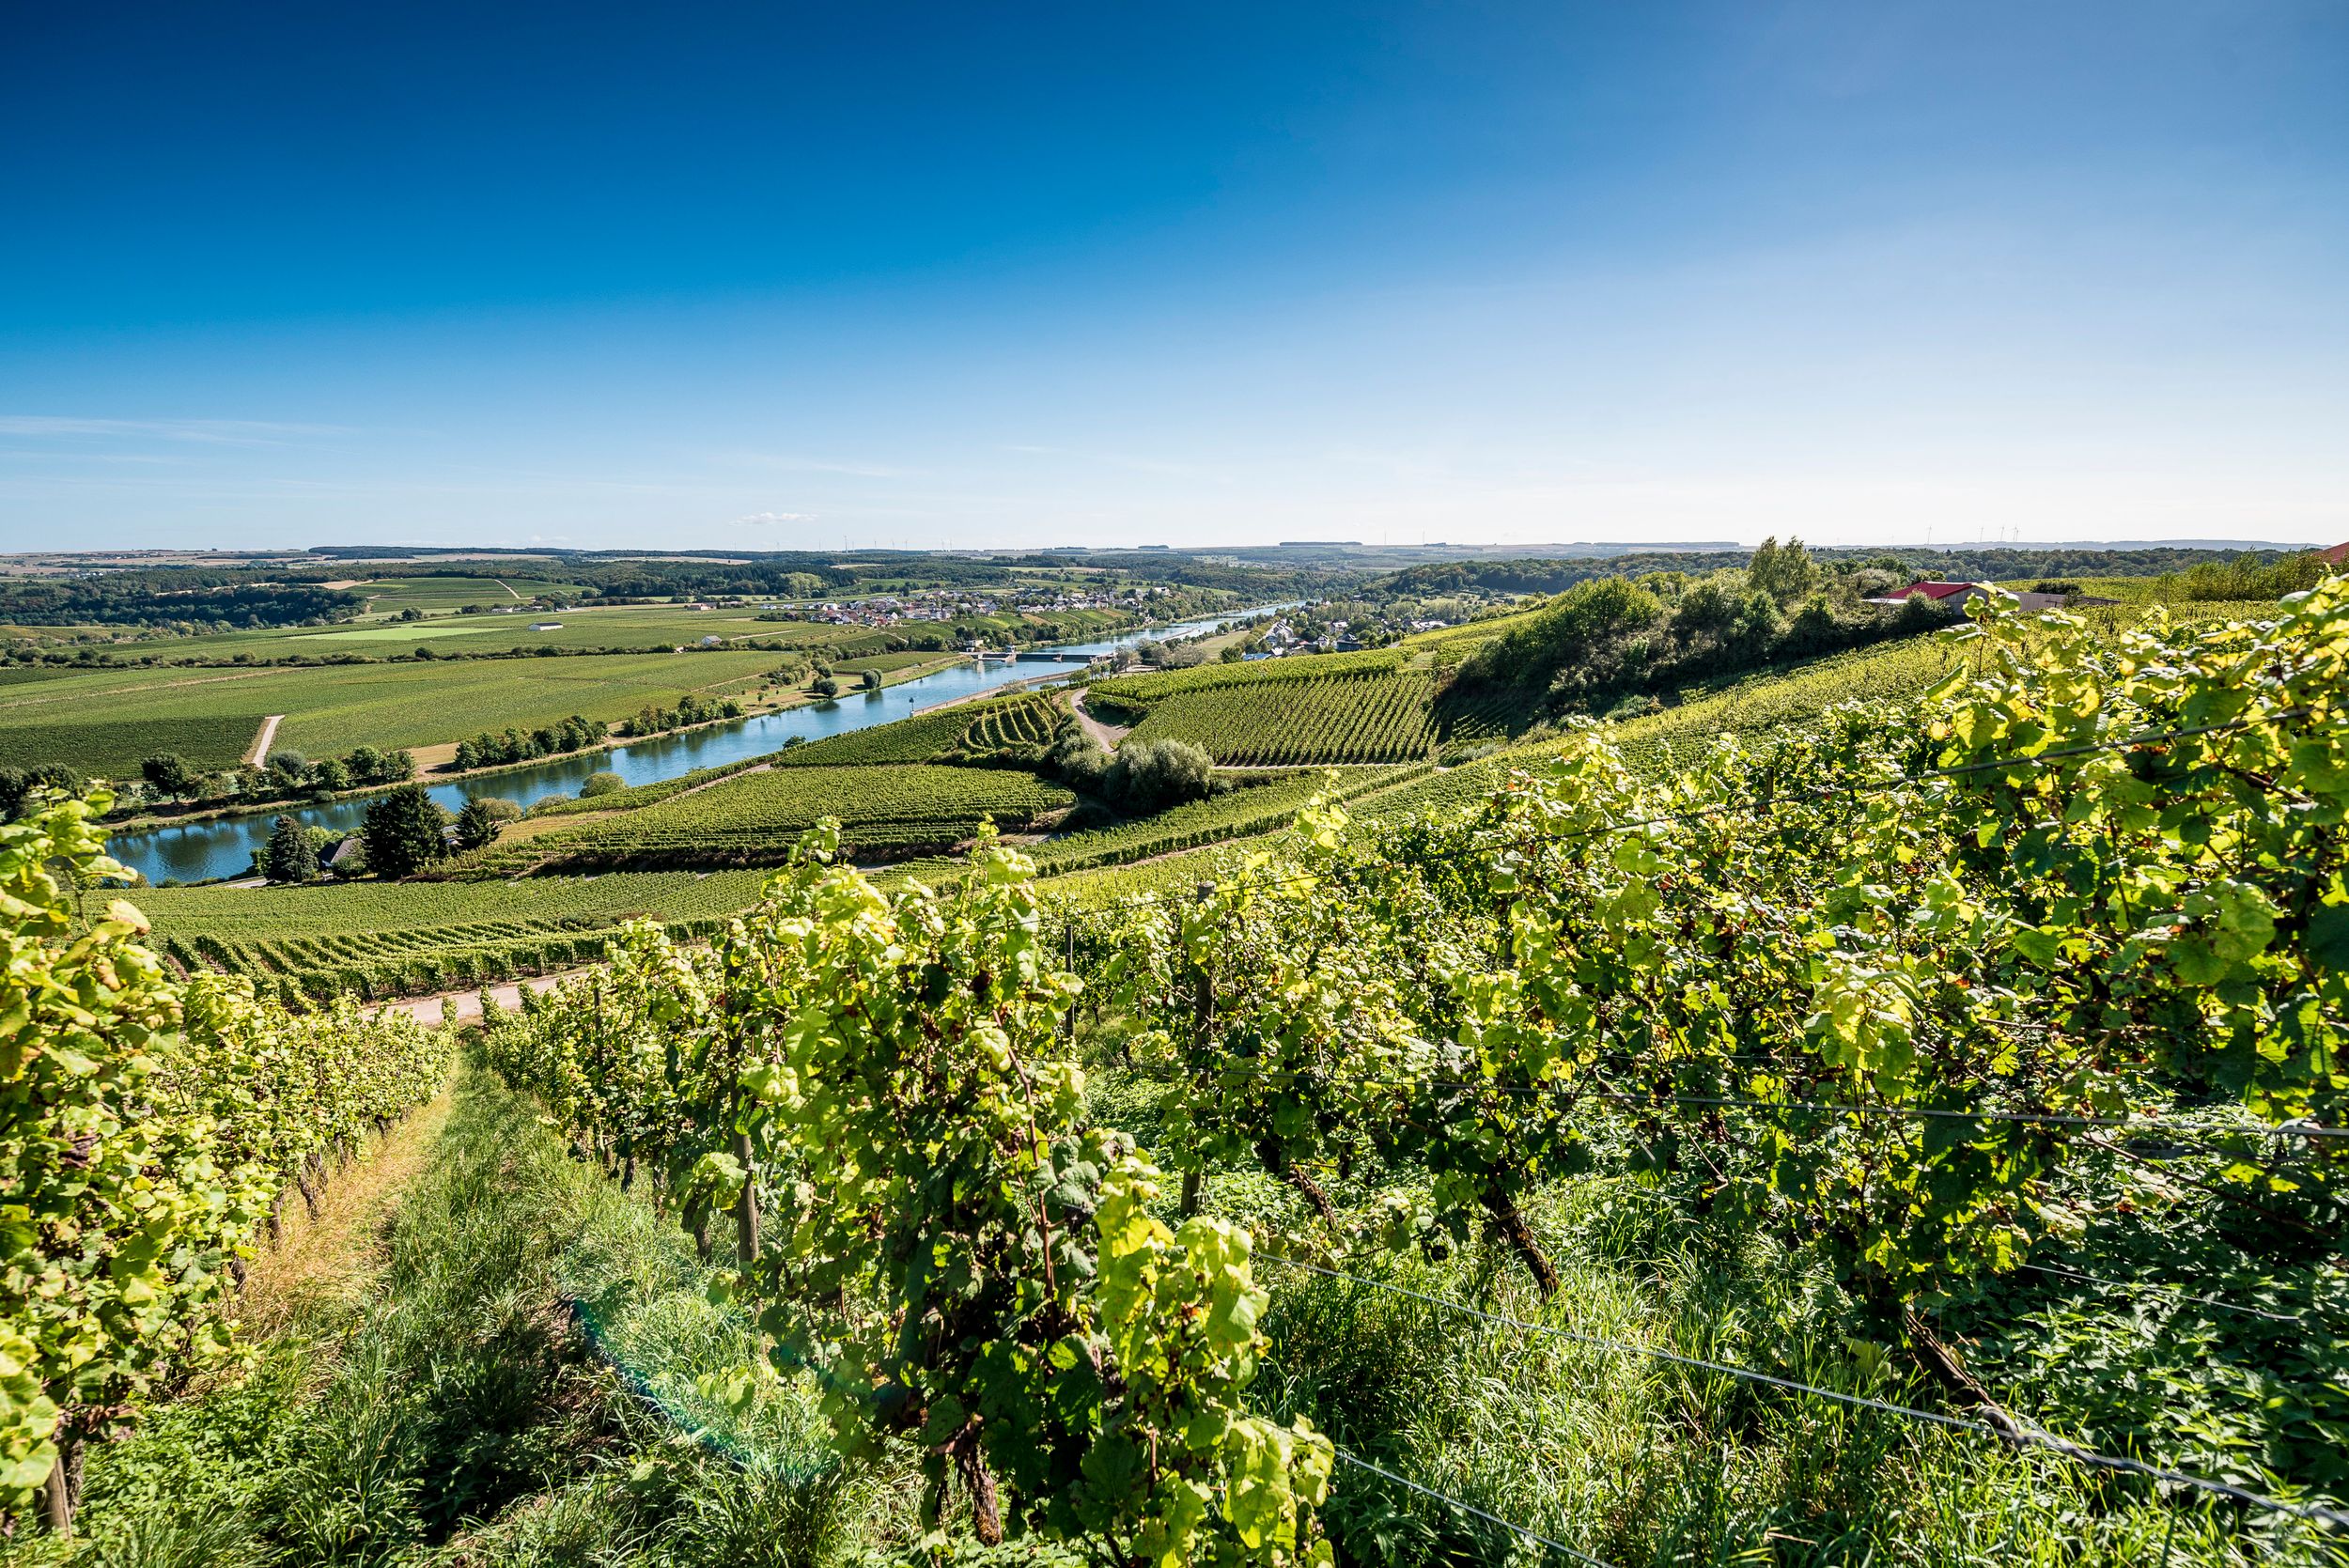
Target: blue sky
column 773, row 275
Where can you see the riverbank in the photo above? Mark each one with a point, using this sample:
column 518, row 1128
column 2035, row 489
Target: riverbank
column 207, row 846
column 150, row 821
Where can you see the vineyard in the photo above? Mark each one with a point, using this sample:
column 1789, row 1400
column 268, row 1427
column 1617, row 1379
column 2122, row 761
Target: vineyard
column 1013, row 728
column 1014, row 733
column 753, row 818
column 374, row 940
column 1259, row 807
column 1922, row 1133
column 1139, row 693
column 1370, row 716
column 115, row 748
column 151, row 1134
column 335, row 708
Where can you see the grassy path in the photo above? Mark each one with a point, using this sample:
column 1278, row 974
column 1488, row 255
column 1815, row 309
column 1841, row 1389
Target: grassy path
column 482, row 1354
column 325, row 1264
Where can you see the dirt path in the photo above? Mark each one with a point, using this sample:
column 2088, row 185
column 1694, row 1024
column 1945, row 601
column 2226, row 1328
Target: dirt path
column 712, row 783
column 508, row 587
column 1107, row 735
column 328, row 1259
column 259, row 753
column 464, row 1006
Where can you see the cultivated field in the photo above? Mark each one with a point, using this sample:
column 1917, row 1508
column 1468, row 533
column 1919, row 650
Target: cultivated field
column 405, row 939
column 756, row 817
column 331, row 708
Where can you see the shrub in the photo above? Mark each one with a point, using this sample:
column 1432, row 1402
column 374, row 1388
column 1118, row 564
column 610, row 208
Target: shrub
column 604, row 783
column 1152, row 775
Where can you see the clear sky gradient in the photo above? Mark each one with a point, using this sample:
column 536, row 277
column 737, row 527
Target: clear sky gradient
column 775, row 275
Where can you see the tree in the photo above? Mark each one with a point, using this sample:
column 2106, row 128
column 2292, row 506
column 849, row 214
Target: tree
column 872, row 680
column 289, row 856
column 168, row 773
column 478, row 826
column 828, row 686
column 605, row 782
column 402, row 832
column 1781, row 571
column 329, row 774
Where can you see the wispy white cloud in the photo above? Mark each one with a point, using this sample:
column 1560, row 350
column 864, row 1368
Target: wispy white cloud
column 212, row 432
column 769, row 518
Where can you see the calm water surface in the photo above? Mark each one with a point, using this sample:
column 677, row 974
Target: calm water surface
column 199, row 851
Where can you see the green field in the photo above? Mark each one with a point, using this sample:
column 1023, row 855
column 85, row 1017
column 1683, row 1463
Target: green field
column 629, row 626
column 389, row 596
column 330, row 710
column 401, row 938
column 754, row 818
column 399, row 633
column 115, row 748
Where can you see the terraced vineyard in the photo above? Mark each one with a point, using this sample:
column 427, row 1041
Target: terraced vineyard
column 755, row 818
column 1140, row 693
column 967, row 729
column 378, row 939
column 1372, row 717
column 1018, row 730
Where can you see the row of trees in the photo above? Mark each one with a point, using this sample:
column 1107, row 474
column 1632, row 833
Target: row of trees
column 487, row 750
column 691, row 708
column 167, row 775
column 1614, row 636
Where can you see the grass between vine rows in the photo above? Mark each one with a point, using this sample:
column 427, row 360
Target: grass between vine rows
column 531, row 1374
column 460, row 1408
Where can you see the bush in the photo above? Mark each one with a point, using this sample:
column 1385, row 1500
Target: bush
column 605, row 782
column 1152, row 775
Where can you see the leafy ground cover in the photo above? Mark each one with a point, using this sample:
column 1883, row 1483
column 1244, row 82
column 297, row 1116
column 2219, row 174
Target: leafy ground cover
column 512, row 1382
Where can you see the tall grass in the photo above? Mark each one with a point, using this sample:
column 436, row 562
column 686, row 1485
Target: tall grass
column 1643, row 1463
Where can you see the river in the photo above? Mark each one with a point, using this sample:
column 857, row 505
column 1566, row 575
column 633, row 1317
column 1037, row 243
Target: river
column 201, row 851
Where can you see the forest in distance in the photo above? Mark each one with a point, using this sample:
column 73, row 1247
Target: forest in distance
column 1787, row 1055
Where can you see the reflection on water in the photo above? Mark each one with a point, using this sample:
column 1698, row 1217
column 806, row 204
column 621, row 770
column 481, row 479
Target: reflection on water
column 198, row 851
